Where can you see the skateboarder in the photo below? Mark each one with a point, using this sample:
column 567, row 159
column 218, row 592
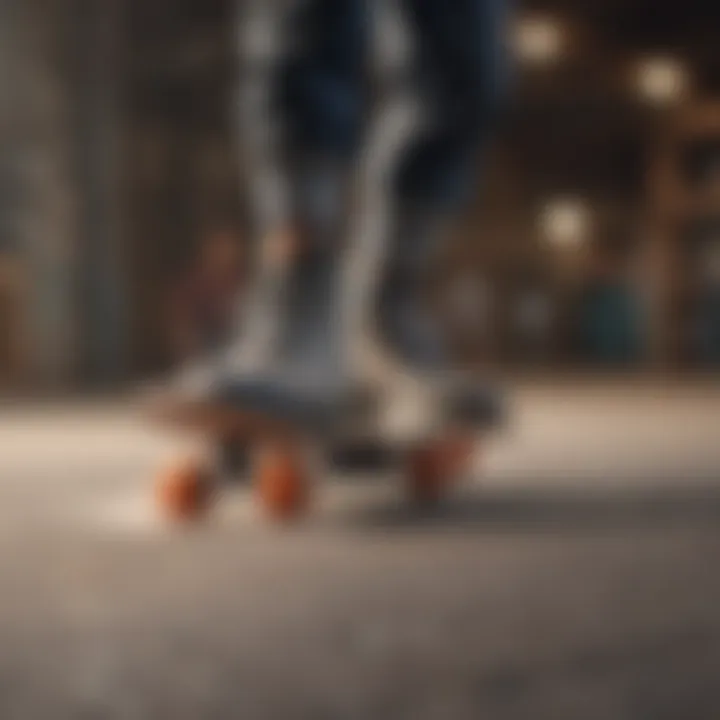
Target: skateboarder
column 308, row 60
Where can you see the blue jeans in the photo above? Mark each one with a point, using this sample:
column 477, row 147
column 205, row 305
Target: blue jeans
column 462, row 76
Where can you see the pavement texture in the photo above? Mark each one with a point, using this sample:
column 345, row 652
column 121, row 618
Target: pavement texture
column 574, row 575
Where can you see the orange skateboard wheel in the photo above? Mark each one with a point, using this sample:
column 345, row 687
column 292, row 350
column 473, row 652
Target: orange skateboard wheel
column 282, row 482
column 433, row 468
column 184, row 492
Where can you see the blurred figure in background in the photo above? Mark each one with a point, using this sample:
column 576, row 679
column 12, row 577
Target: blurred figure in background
column 610, row 322
column 707, row 308
column 203, row 300
column 534, row 320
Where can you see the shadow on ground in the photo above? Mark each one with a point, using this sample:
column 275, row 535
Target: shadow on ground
column 558, row 510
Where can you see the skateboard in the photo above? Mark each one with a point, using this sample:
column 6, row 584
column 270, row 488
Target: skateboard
column 285, row 457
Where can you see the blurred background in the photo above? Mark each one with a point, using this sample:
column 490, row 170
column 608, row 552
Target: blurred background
column 594, row 242
column 572, row 576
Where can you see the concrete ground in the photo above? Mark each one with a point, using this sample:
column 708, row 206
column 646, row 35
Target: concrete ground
column 573, row 576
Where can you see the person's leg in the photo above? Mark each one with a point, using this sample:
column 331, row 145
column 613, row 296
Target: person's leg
column 321, row 95
column 301, row 115
column 320, row 83
column 300, row 93
column 299, row 119
column 463, row 67
column 463, row 75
